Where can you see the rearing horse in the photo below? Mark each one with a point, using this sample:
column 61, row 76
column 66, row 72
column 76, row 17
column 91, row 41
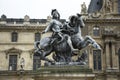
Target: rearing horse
column 63, row 51
column 74, row 31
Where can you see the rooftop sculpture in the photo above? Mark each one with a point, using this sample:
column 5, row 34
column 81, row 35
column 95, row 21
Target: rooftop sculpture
column 65, row 37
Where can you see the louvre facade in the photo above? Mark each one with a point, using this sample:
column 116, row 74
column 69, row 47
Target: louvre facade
column 102, row 22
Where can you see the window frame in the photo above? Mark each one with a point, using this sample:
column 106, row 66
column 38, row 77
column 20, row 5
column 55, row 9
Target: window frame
column 97, row 60
column 14, row 37
column 96, row 31
column 119, row 57
column 14, row 62
column 36, row 62
column 37, row 36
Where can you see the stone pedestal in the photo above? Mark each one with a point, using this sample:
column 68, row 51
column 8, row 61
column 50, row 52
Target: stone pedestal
column 65, row 73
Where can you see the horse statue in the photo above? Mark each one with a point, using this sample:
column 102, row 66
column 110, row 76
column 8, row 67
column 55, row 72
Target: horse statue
column 73, row 29
column 63, row 51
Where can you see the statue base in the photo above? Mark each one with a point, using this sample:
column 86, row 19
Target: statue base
column 65, row 63
column 65, row 69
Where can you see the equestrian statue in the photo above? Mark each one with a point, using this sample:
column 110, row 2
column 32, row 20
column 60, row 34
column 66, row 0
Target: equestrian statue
column 65, row 38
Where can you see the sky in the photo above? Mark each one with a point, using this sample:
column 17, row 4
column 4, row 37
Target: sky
column 40, row 9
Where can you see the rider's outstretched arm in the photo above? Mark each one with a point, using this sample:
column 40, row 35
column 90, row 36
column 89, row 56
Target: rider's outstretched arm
column 48, row 28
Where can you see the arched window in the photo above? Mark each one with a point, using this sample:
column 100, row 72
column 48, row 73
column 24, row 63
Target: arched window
column 37, row 36
column 14, row 37
column 97, row 59
column 96, row 31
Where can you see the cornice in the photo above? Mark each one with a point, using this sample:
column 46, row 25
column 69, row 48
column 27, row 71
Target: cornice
column 7, row 27
column 16, row 43
column 108, row 41
column 103, row 20
column 21, row 27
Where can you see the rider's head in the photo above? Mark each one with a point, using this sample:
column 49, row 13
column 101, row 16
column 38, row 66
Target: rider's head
column 55, row 14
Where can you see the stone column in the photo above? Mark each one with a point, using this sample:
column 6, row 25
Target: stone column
column 107, row 56
column 90, row 58
column 114, row 58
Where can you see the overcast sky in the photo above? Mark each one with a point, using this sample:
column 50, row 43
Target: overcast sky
column 40, row 8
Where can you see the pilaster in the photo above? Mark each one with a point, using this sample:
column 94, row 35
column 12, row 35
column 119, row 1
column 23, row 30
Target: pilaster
column 107, row 56
column 114, row 59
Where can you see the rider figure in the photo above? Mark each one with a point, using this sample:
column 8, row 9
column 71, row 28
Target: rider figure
column 55, row 26
column 72, row 30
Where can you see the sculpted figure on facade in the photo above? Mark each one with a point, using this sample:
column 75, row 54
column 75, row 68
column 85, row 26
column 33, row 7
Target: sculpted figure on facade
column 83, row 8
column 109, row 5
column 26, row 18
column 22, row 63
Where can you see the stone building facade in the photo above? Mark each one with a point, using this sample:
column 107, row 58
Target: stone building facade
column 103, row 25
column 17, row 37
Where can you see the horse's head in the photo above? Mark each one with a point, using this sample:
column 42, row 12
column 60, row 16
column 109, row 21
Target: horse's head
column 80, row 21
column 73, row 20
column 76, row 21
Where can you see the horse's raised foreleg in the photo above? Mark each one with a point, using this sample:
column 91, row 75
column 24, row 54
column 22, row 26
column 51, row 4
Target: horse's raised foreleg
column 88, row 40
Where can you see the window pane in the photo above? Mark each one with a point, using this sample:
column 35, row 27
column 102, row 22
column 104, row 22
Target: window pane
column 96, row 31
column 14, row 37
column 36, row 62
column 119, row 6
column 97, row 59
column 94, row 60
column 37, row 36
column 13, row 62
column 99, row 65
column 119, row 57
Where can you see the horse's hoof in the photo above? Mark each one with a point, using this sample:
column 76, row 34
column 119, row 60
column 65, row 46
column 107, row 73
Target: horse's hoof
column 98, row 47
column 95, row 45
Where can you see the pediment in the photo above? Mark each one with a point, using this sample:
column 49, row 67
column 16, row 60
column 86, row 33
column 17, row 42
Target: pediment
column 13, row 50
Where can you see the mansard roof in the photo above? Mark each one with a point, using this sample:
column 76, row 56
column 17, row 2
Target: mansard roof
column 95, row 5
column 119, row 6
